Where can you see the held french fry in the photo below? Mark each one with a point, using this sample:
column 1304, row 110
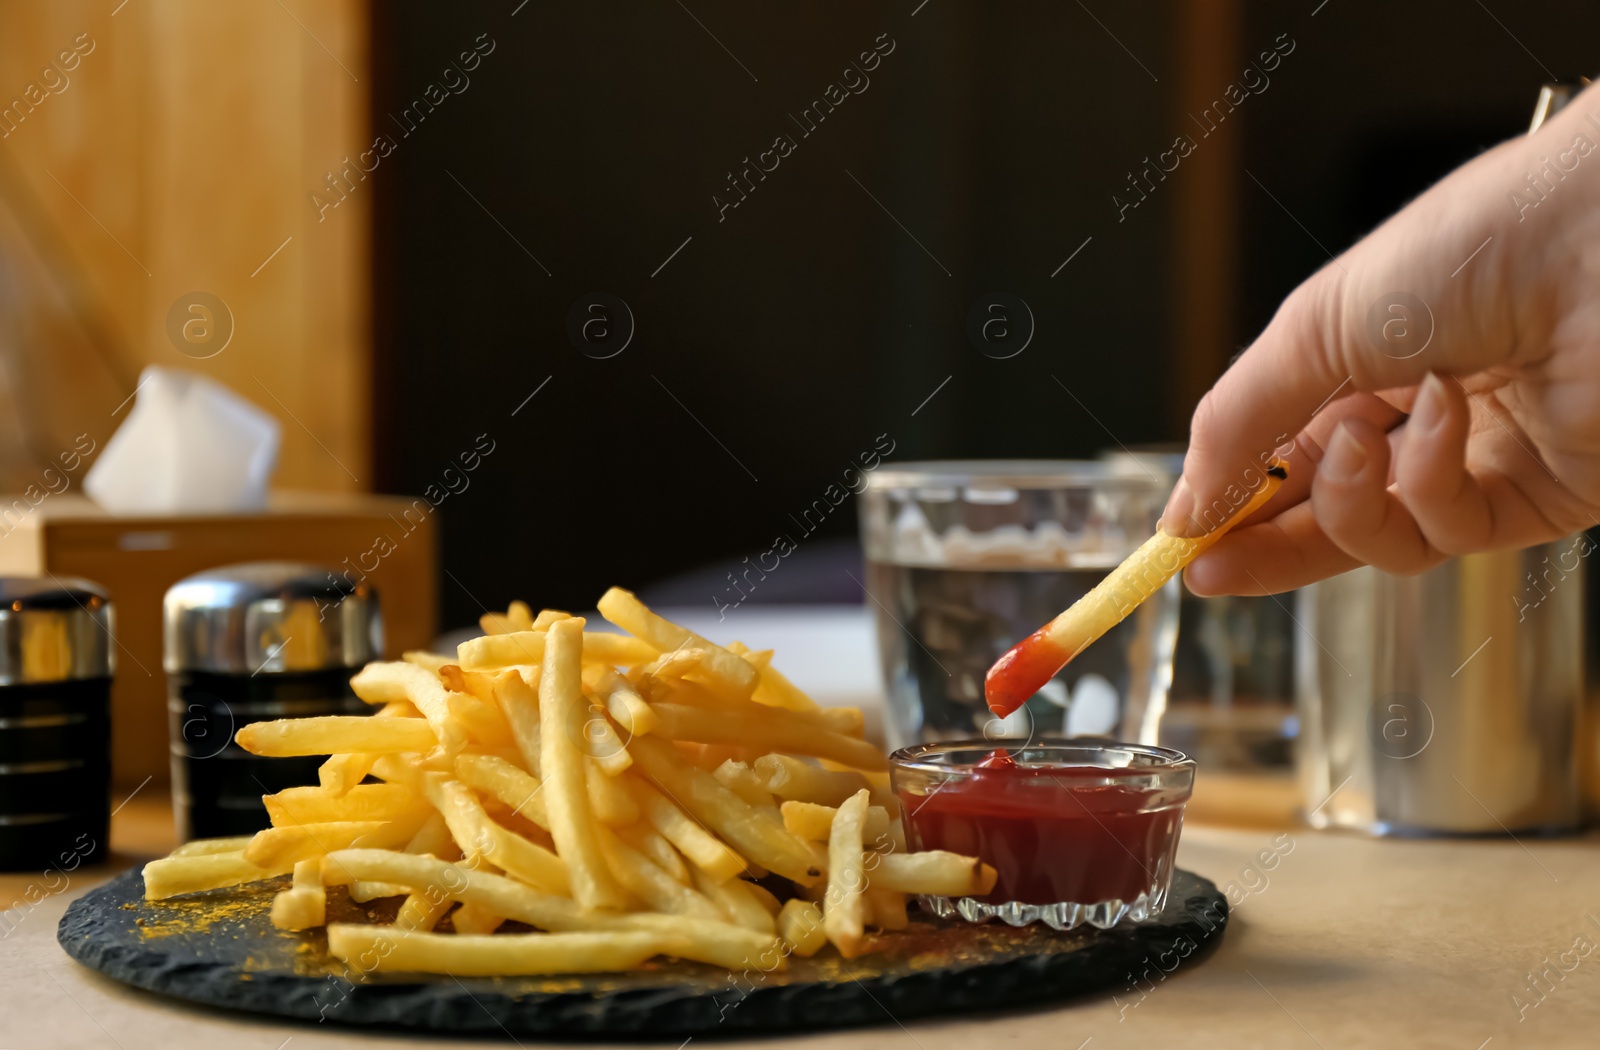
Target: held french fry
column 1032, row 662
column 561, row 711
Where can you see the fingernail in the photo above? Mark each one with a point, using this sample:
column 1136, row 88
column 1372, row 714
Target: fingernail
column 1431, row 408
column 1345, row 456
column 1178, row 518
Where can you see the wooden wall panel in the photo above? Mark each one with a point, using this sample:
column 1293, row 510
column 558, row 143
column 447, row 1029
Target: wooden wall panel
column 182, row 155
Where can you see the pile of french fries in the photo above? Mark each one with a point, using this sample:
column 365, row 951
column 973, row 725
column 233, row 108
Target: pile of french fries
column 625, row 795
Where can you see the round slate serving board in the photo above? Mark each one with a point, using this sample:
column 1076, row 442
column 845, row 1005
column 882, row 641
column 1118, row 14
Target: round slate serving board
column 219, row 949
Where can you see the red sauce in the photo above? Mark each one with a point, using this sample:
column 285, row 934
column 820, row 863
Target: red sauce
column 1049, row 835
column 1020, row 672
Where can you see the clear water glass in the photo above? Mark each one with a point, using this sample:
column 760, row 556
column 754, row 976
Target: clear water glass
column 966, row 558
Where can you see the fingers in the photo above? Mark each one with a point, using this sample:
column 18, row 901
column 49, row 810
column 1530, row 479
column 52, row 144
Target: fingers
column 1310, row 443
column 1446, row 501
column 1279, row 555
column 1353, row 504
column 1453, row 479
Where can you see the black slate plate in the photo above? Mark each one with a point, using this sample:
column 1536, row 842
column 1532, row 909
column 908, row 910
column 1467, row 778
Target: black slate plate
column 219, row 949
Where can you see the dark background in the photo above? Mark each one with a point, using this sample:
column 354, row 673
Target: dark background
column 780, row 343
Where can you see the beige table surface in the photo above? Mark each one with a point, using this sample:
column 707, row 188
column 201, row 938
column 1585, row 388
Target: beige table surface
column 1347, row 942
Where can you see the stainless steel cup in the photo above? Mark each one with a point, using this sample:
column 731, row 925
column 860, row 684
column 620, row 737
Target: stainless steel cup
column 1449, row 702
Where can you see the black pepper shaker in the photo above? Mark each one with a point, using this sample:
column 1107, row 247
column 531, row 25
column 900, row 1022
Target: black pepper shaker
column 56, row 659
column 249, row 643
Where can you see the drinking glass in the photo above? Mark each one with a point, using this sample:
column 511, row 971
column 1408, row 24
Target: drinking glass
column 966, row 558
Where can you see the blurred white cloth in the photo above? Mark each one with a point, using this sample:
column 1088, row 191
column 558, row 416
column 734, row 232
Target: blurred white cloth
column 189, row 445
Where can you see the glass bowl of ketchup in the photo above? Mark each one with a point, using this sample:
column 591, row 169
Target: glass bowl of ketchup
column 1077, row 831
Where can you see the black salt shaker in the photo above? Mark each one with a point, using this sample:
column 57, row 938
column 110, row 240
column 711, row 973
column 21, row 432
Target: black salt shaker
column 250, row 643
column 56, row 660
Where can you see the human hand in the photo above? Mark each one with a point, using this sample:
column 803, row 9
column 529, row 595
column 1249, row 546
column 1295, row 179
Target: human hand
column 1436, row 388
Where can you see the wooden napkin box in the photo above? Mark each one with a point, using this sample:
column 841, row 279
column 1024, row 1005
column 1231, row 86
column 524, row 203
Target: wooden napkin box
column 391, row 540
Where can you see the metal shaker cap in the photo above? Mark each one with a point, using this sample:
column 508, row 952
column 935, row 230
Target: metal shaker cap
column 54, row 629
column 270, row 618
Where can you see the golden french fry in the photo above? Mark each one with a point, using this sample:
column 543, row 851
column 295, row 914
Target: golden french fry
column 340, row 773
column 477, row 955
column 519, row 700
column 491, row 652
column 800, row 927
column 305, row 903
column 844, row 907
column 887, row 909
column 480, row 837
column 621, row 701
column 205, row 847
column 934, row 872
column 765, row 897
column 641, row 877
column 504, row 781
column 426, row 660
column 434, row 837
column 561, row 761
column 653, row 844
column 547, row 617
column 361, row 892
column 282, row 848
column 768, row 729
column 472, row 920
column 729, row 672
column 814, row 823
column 385, row 679
column 717, row 943
column 739, row 778
column 851, row 721
column 790, row 778
column 1032, row 662
column 737, row 902
column 483, row 720
column 758, row 839
column 702, row 848
column 315, row 805
column 422, row 912
column 171, row 876
column 776, row 690
column 335, row 735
